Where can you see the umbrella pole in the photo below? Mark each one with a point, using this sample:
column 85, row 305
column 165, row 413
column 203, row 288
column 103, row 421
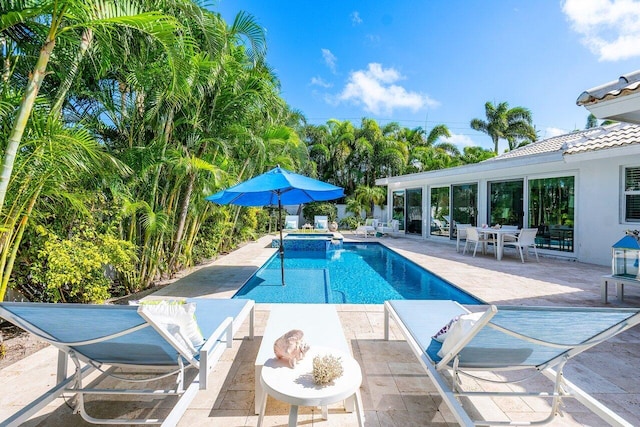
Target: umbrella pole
column 281, row 246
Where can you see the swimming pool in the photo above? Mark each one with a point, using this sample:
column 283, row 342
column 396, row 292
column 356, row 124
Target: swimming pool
column 359, row 273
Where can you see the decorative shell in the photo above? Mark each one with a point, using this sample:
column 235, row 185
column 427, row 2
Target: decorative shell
column 291, row 347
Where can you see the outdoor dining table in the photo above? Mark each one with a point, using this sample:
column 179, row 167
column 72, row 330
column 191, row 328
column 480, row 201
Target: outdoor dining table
column 499, row 237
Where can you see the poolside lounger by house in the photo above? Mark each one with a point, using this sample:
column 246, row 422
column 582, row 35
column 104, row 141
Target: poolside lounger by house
column 161, row 337
column 538, row 339
column 369, row 227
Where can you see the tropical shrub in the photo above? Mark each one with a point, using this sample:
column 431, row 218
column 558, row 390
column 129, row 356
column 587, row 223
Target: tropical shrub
column 83, row 268
column 349, row 223
column 313, row 209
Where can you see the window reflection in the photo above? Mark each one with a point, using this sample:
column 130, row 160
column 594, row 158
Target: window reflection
column 506, row 203
column 440, row 217
column 551, row 210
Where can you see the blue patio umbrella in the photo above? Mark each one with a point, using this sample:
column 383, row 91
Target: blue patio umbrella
column 277, row 187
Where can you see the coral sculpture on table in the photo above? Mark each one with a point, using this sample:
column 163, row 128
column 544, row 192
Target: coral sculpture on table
column 326, row 369
column 290, row 347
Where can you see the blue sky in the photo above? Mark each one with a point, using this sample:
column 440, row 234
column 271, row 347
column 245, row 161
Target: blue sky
column 423, row 63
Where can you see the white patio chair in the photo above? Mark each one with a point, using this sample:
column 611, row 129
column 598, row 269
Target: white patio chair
column 510, row 237
column 461, row 234
column 525, row 240
column 474, row 237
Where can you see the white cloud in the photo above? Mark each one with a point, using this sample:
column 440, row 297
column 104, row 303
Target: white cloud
column 355, row 18
column 460, row 141
column 318, row 81
column 373, row 38
column 550, row 132
column 610, row 28
column 375, row 89
column 329, row 59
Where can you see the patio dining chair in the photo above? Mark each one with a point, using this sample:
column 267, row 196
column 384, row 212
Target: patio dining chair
column 461, row 234
column 475, row 238
column 526, row 239
column 511, row 237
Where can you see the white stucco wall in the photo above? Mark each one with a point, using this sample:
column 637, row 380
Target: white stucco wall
column 599, row 217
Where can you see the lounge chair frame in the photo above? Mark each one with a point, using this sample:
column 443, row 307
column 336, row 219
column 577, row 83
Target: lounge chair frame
column 445, row 374
column 215, row 344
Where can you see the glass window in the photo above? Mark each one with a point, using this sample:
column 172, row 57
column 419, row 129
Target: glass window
column 464, row 205
column 414, row 211
column 632, row 194
column 440, row 211
column 551, row 210
column 506, row 203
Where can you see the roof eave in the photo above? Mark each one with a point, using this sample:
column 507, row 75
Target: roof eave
column 487, row 165
column 631, row 150
column 623, row 108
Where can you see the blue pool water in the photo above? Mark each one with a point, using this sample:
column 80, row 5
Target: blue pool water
column 359, row 273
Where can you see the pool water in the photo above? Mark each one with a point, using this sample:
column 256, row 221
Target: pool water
column 359, row 273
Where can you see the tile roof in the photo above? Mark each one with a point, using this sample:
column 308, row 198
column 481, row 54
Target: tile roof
column 603, row 137
column 625, row 85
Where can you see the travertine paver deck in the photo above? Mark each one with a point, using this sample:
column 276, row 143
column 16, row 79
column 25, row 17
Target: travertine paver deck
column 395, row 390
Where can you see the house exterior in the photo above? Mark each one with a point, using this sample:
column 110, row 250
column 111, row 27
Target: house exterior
column 581, row 190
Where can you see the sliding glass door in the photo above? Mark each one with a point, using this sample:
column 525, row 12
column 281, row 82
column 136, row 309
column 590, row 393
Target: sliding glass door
column 414, row 211
column 398, row 208
column 551, row 210
column 464, row 205
column 440, row 217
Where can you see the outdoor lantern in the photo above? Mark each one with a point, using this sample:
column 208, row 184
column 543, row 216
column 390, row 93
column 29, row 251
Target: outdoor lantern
column 626, row 253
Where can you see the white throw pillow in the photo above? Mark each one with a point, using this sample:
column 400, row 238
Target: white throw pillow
column 290, row 225
column 178, row 319
column 458, row 331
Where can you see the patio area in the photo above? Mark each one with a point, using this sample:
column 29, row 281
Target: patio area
column 395, row 390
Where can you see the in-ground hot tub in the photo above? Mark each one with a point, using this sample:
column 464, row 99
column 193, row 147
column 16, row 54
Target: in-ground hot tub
column 310, row 241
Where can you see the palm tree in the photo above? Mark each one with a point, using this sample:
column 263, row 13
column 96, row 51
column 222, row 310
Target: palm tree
column 64, row 18
column 513, row 124
column 370, row 196
column 592, row 122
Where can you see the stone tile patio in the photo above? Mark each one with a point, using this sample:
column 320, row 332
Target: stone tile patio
column 396, row 390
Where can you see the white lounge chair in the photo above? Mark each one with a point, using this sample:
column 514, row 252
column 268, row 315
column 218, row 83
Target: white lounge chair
column 321, row 223
column 369, row 227
column 291, row 223
column 134, row 338
column 529, row 339
column 387, row 227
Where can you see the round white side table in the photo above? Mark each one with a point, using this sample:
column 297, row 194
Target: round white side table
column 296, row 386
